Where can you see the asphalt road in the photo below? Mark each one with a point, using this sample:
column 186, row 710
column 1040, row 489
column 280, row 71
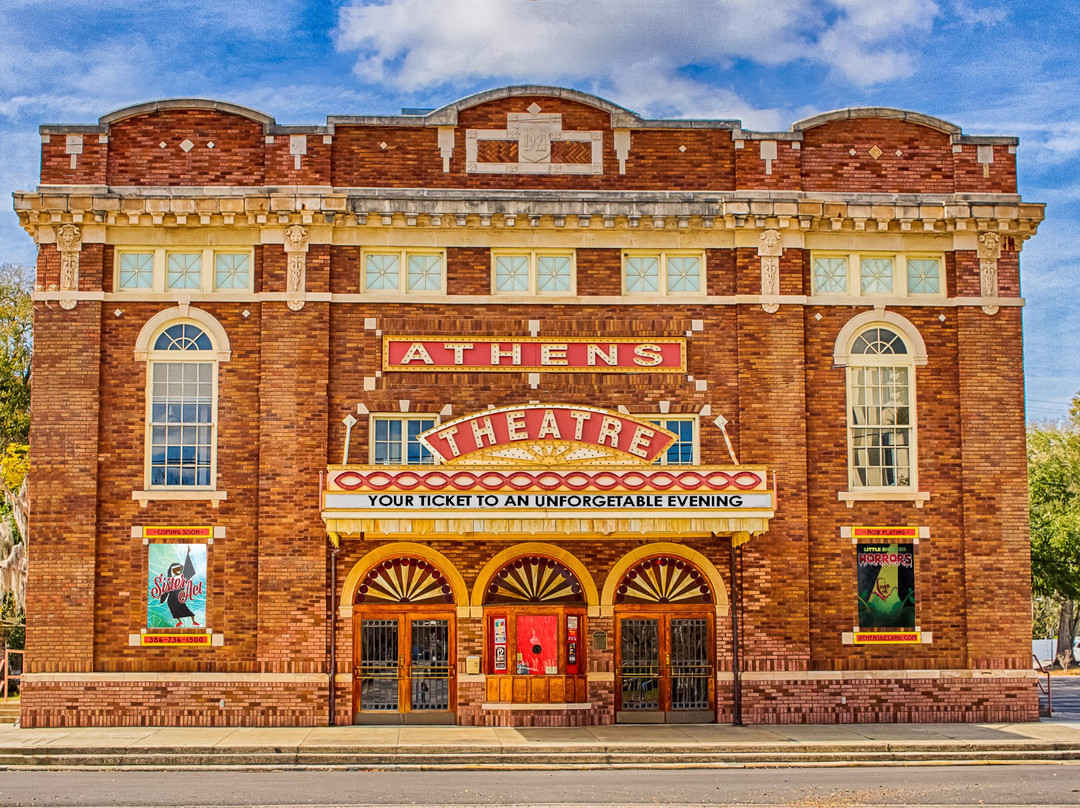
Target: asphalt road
column 1066, row 693
column 1039, row 785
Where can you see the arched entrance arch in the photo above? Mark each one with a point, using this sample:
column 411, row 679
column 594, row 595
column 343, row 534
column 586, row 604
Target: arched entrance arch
column 534, row 598
column 402, row 598
column 665, row 598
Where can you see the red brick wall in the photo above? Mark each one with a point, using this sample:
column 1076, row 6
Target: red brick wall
column 137, row 158
column 64, row 430
column 291, row 584
column 403, row 156
column 925, row 167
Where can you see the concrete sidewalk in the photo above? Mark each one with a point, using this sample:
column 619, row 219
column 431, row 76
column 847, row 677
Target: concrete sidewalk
column 467, row 747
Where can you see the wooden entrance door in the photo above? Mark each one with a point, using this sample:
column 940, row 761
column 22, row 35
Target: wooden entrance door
column 403, row 670
column 666, row 671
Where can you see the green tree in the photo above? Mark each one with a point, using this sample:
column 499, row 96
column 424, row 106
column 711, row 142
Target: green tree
column 1054, row 487
column 16, row 344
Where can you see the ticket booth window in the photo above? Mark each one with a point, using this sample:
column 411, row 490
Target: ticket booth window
column 535, row 621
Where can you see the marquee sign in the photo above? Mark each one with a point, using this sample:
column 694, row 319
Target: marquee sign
column 540, row 469
column 535, row 354
column 547, row 434
column 414, row 493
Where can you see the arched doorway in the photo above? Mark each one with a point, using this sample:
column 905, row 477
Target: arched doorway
column 534, row 626
column 404, row 641
column 665, row 642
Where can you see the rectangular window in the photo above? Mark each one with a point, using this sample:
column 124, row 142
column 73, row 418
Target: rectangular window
column 511, row 274
column 923, row 276
column 895, row 275
column 184, row 271
column 410, row 271
column 181, row 423
column 880, row 426
column 830, row 275
column 876, row 276
column 232, row 270
column 394, row 440
column 136, row 270
column 683, row 452
column 532, row 273
column 664, row 273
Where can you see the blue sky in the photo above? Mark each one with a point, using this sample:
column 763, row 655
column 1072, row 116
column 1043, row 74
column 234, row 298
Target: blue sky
column 993, row 67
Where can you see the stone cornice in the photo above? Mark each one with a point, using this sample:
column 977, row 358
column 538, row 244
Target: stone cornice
column 52, row 206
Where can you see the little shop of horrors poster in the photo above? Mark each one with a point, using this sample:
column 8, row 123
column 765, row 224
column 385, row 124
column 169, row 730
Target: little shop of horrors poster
column 176, row 591
column 886, row 585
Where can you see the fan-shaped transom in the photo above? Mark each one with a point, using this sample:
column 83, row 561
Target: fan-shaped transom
column 404, row 580
column 663, row 579
column 878, row 341
column 183, row 337
column 534, row 579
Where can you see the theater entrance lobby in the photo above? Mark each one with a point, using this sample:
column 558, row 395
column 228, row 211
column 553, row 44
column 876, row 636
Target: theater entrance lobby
column 544, row 572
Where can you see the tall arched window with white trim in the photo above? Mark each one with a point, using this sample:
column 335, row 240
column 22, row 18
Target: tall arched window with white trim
column 881, row 410
column 182, row 402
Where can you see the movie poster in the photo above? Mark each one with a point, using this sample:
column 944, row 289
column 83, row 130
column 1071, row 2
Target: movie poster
column 176, row 591
column 886, row 586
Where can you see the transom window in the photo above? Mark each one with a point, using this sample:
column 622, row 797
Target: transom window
column 394, row 440
column 533, row 273
column 871, row 274
column 830, row 275
column 924, row 276
column 410, row 271
column 876, row 276
column 232, row 271
column 183, row 405
column 663, row 273
column 683, row 452
column 881, row 425
column 195, row 269
column 136, row 270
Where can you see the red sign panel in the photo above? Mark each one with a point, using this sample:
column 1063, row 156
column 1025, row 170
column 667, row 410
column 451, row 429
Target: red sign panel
column 887, row 637
column 552, row 423
column 535, row 354
column 176, row 639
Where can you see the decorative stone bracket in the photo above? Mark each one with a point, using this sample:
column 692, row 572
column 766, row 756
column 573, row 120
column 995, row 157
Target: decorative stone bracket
column 770, row 248
column 989, row 250
column 69, row 245
column 296, row 247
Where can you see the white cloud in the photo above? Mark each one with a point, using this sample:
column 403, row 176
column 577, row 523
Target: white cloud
column 989, row 16
column 629, row 45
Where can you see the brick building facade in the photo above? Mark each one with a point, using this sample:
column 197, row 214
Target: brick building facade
column 526, row 411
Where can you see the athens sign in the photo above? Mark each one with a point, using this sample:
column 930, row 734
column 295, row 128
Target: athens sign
column 535, row 354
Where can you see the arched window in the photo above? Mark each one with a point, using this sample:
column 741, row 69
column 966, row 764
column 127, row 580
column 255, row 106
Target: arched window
column 664, row 579
column 183, row 408
column 405, row 580
column 881, row 409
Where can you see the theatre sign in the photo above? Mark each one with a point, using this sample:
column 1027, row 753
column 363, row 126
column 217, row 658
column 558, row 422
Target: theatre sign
column 532, row 468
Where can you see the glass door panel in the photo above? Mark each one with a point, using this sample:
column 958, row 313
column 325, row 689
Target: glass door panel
column 379, row 668
column 430, row 665
column 689, row 670
column 639, row 665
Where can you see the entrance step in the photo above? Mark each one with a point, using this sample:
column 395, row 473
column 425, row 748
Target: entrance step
column 531, row 757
